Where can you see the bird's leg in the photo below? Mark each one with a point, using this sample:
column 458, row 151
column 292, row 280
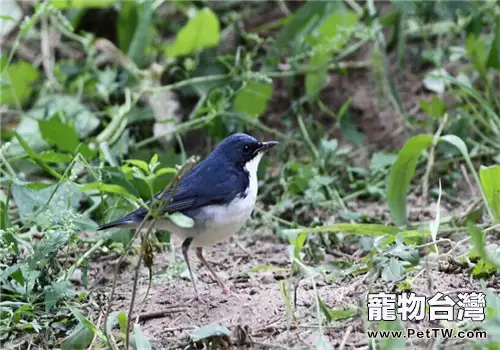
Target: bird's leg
column 199, row 253
column 185, row 248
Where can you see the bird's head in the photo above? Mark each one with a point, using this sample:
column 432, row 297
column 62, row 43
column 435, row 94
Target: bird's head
column 242, row 149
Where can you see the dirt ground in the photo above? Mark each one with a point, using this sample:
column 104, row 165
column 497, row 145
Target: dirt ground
column 255, row 311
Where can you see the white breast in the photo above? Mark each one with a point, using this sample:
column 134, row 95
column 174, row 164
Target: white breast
column 229, row 219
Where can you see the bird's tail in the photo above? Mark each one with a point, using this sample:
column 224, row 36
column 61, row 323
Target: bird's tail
column 123, row 222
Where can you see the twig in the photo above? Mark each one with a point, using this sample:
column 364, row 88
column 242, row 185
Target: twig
column 152, row 212
column 158, row 314
column 430, row 162
column 467, row 179
column 48, row 53
column 346, row 335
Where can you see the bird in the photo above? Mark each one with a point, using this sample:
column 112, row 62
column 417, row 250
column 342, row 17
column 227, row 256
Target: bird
column 219, row 195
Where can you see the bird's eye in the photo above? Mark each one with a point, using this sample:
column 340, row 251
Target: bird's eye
column 246, row 150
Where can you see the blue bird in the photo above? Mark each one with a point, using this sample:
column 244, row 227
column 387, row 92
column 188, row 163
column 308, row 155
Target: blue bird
column 218, row 194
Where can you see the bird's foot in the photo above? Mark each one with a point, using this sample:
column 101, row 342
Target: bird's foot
column 225, row 290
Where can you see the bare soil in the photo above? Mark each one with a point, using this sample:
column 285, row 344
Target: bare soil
column 256, row 311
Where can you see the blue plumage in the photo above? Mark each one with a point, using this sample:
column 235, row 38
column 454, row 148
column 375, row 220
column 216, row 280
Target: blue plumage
column 218, row 194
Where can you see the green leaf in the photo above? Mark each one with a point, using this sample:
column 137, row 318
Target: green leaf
column 462, row 147
column 80, row 4
column 4, row 216
column 359, row 229
column 477, row 238
column 115, row 316
column 59, row 134
column 253, row 98
column 338, row 314
column 57, row 291
column 208, row 331
column 56, row 199
column 476, row 52
column 494, row 56
column 138, row 163
column 315, row 79
column 381, row 160
column 202, row 31
column 79, row 339
column 490, row 182
column 435, row 108
column 108, row 188
column 83, row 320
column 392, row 343
column 35, row 157
column 330, row 36
column 181, row 220
column 138, row 340
column 164, row 171
column 335, row 314
column 69, row 109
column 393, row 271
column 54, row 157
column 16, row 82
column 401, row 174
column 127, row 23
column 435, row 80
column 142, row 35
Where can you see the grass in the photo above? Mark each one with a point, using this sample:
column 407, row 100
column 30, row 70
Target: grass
column 385, row 179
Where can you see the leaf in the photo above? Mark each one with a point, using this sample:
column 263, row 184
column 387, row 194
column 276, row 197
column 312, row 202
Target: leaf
column 142, row 35
column 401, row 174
column 16, row 82
column 434, row 80
column 80, row 4
column 138, row 163
column 54, row 157
column 253, row 98
column 79, row 339
column 490, row 182
column 330, row 36
column 55, row 292
column 393, row 271
column 202, row 31
column 392, row 343
column 69, row 109
column 435, row 108
column 127, row 23
column 381, row 160
column 115, row 316
column 55, row 199
column 338, row 314
column 476, row 52
column 462, row 147
column 477, row 238
column 138, row 340
column 181, row 220
column 494, row 56
column 59, row 134
column 83, row 320
column 315, row 80
column 207, row 331
column 108, row 188
column 164, row 171
column 360, row 229
column 34, row 156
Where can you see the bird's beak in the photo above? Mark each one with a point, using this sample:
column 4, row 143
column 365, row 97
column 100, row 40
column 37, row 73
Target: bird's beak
column 265, row 146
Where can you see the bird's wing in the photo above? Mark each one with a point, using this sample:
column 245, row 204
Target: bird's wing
column 192, row 193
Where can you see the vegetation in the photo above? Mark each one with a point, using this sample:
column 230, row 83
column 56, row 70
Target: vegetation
column 387, row 176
